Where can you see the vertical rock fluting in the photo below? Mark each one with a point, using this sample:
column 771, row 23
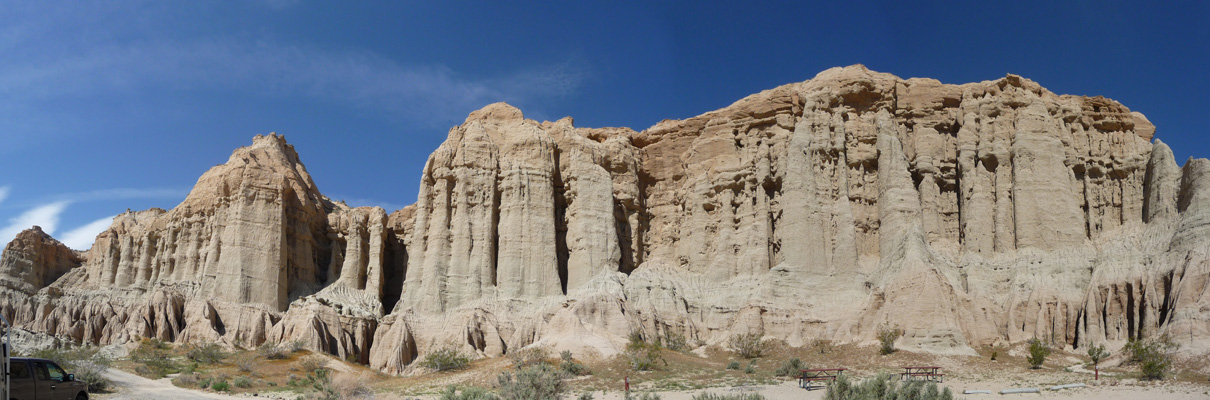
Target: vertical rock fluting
column 966, row 215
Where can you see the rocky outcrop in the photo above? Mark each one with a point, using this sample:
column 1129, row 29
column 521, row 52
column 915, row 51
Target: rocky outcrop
column 33, row 260
column 966, row 215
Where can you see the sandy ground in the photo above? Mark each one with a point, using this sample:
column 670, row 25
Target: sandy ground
column 129, row 386
column 789, row 390
column 134, row 387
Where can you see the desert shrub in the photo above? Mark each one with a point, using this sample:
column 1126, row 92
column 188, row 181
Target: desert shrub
column 585, row 396
column 642, row 396
column 445, row 359
column 538, row 381
column 747, row 345
column 87, row 364
column 312, row 362
column 185, row 380
column 208, row 353
column 1134, row 348
column 1037, row 353
column 636, row 338
column 245, row 363
column 751, row 368
column 205, row 383
column 242, row 382
column 994, row 354
column 292, row 380
column 729, row 396
column 734, row 365
column 295, row 345
column 527, row 357
column 273, row 351
column 790, row 368
column 1155, row 358
column 570, row 367
column 885, row 386
column 643, row 356
column 451, row 392
column 221, row 386
column 321, row 382
column 1097, row 353
column 155, row 357
column 350, row 387
column 675, row 342
column 823, row 346
column 886, row 337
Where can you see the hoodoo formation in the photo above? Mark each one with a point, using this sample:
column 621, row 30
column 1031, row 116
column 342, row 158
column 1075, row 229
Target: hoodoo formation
column 967, row 215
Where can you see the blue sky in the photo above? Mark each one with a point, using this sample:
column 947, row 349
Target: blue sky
column 115, row 105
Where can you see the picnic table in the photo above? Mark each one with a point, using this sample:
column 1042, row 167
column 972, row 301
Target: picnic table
column 809, row 377
column 927, row 373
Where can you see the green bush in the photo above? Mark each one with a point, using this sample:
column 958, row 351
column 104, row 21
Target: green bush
column 467, row 393
column 242, row 382
column 538, row 382
column 790, row 368
column 156, row 359
column 208, row 353
column 221, row 386
column 321, row 381
column 729, row 396
column 887, row 337
column 205, row 383
column 734, row 365
column 675, row 342
column 885, row 386
column 570, row 367
column 750, row 369
column 446, row 359
column 1134, row 348
column 1154, row 357
column 747, row 345
column 1037, row 353
column 643, row 356
column 1097, row 353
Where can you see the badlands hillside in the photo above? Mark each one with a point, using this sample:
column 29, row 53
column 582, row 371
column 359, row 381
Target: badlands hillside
column 966, row 215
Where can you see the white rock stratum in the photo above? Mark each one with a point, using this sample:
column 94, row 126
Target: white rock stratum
column 967, row 215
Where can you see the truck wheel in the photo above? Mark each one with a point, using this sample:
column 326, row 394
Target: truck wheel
column 82, row 396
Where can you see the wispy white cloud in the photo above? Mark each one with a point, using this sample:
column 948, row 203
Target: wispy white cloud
column 45, row 216
column 420, row 92
column 82, row 237
column 3, row 193
column 101, row 195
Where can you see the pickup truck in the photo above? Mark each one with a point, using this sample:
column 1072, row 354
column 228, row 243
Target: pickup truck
column 41, row 379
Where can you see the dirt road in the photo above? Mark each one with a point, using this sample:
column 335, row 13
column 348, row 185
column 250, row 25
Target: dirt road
column 128, row 386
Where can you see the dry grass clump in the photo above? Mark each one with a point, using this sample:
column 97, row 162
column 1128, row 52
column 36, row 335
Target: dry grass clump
column 747, row 345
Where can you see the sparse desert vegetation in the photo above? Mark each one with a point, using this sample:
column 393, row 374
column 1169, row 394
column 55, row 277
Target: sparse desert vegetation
column 534, row 372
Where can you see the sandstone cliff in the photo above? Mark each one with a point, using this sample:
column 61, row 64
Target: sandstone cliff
column 967, row 215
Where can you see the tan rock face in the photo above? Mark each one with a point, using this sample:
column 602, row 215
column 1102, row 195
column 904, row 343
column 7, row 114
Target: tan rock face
column 33, row 260
column 968, row 215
